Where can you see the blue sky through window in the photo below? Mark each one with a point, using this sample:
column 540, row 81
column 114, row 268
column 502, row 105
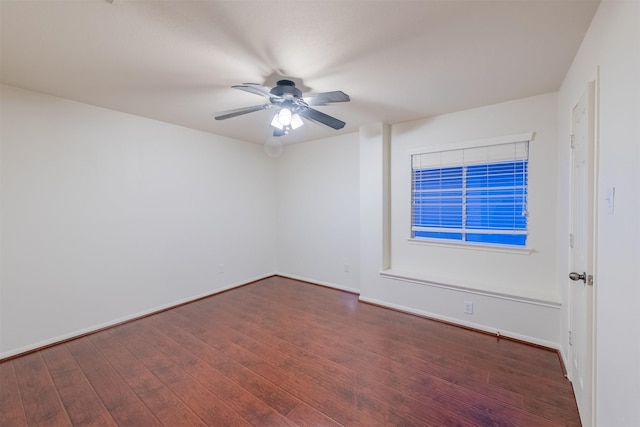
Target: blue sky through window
column 484, row 203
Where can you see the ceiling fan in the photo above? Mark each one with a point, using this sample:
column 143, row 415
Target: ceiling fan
column 291, row 106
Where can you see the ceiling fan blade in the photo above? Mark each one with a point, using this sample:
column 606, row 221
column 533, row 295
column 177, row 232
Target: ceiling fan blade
column 326, row 97
column 255, row 89
column 240, row 111
column 323, row 118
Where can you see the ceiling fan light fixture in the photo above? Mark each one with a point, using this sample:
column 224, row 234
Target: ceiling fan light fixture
column 276, row 122
column 284, row 120
column 296, row 121
column 284, row 117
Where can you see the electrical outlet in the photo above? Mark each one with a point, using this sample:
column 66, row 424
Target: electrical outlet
column 346, row 268
column 220, row 268
column 468, row 307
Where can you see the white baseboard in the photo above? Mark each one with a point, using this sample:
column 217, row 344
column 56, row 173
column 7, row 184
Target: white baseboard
column 94, row 328
column 502, row 333
column 319, row 282
column 565, row 362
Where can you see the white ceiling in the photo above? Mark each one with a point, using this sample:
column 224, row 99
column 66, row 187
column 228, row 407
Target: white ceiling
column 176, row 61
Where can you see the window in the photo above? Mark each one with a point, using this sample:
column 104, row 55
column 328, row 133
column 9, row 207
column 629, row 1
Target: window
column 476, row 194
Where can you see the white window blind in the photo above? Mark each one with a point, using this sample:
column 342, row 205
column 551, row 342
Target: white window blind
column 476, row 194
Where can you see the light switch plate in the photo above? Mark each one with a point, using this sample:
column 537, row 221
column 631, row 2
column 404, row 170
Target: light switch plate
column 610, row 198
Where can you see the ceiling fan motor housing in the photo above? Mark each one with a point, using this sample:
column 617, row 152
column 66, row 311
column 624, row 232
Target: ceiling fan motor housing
column 286, row 89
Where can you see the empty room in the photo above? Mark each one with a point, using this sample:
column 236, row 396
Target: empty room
column 320, row 213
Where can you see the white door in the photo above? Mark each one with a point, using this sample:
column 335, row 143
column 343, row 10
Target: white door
column 582, row 253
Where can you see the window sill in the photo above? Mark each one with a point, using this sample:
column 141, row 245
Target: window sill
column 472, row 246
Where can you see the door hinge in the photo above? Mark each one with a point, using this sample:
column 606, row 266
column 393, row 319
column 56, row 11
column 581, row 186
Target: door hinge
column 570, row 342
column 571, row 240
column 572, row 141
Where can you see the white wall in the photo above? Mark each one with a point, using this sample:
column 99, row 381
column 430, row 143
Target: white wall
column 612, row 44
column 318, row 211
column 529, row 275
column 106, row 216
column 514, row 294
column 103, row 213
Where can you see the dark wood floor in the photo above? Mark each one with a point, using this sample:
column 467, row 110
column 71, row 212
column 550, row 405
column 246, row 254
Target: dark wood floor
column 282, row 352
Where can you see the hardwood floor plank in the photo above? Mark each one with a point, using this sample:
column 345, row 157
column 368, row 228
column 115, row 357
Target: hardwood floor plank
column 306, row 416
column 453, row 384
column 184, row 418
column 258, row 386
column 152, row 392
column 195, row 323
column 392, row 408
column 125, row 406
column 280, row 352
column 430, row 359
column 348, row 383
column 240, row 400
column 81, row 402
column 11, row 409
column 545, row 391
column 304, row 364
column 567, row 416
column 205, row 405
column 42, row 405
column 407, row 359
column 348, row 355
column 519, row 399
column 460, row 346
column 453, row 376
column 330, row 404
column 143, row 348
column 391, row 350
column 482, row 409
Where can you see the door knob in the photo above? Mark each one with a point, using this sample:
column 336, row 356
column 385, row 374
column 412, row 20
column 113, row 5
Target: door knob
column 577, row 276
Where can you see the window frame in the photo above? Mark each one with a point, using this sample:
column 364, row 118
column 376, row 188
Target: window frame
column 480, row 143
